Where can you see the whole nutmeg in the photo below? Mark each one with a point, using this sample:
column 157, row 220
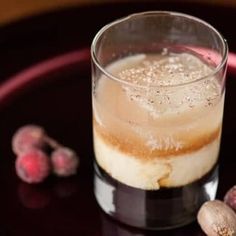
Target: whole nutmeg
column 217, row 219
column 230, row 198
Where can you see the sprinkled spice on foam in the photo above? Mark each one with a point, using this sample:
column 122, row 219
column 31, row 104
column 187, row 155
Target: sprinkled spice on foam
column 166, row 70
column 152, row 72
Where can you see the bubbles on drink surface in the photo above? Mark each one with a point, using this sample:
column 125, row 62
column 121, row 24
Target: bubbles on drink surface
column 168, row 82
column 164, row 69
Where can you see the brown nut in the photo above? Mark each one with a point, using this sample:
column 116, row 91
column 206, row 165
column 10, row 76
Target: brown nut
column 217, row 219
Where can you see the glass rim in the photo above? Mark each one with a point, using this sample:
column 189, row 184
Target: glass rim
column 220, row 65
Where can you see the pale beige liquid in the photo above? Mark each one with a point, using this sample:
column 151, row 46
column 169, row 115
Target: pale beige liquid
column 148, row 136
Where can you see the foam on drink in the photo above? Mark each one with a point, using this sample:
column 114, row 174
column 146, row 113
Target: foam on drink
column 155, row 128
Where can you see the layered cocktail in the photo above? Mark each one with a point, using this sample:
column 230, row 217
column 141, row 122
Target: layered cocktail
column 157, row 118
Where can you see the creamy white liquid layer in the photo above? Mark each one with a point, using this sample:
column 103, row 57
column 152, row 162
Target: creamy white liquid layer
column 155, row 173
column 151, row 137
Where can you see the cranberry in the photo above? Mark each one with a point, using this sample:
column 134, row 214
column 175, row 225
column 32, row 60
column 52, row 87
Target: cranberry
column 30, row 144
column 64, row 162
column 33, row 166
column 230, row 198
column 28, row 137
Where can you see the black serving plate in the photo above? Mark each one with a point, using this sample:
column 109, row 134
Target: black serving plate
column 45, row 80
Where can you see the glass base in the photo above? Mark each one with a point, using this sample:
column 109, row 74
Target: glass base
column 166, row 208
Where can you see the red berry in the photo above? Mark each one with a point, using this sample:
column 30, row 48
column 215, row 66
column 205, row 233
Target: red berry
column 33, row 166
column 64, row 162
column 230, row 198
column 28, row 137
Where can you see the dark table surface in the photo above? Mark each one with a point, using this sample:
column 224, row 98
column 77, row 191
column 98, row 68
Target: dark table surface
column 59, row 100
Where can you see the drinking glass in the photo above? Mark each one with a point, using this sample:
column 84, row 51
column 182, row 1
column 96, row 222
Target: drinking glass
column 158, row 86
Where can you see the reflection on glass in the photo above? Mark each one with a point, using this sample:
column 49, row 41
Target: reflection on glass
column 110, row 227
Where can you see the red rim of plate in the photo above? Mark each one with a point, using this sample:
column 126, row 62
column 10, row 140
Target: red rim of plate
column 35, row 72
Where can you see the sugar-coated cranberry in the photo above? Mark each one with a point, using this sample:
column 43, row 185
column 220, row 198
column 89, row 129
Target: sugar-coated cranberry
column 28, row 137
column 33, row 166
column 230, row 198
column 64, row 162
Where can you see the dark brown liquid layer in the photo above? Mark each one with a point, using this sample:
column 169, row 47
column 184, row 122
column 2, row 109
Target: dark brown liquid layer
column 153, row 209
